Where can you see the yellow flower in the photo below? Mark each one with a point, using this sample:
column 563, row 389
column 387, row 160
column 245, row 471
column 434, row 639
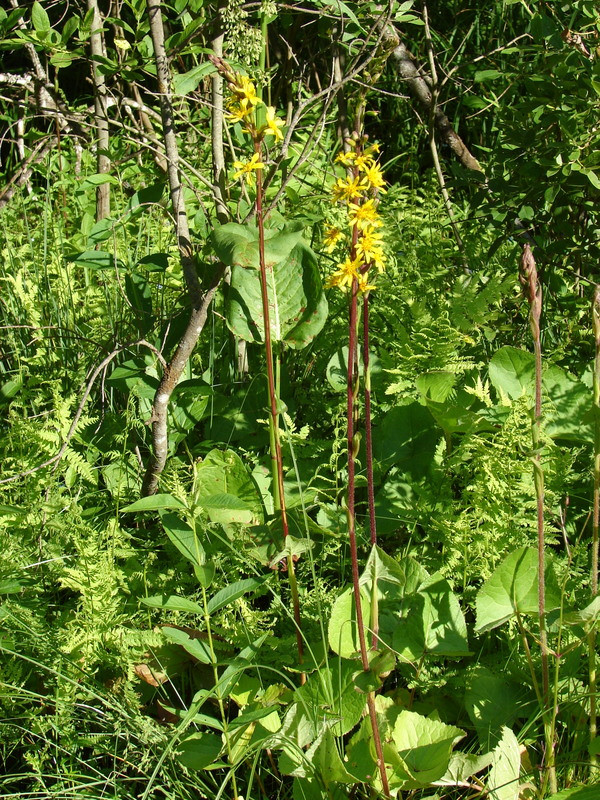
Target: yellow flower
column 374, row 176
column 349, row 189
column 244, row 89
column 363, row 283
column 273, row 125
column 364, row 216
column 245, row 169
column 240, row 111
column 363, row 162
column 368, row 242
column 345, row 274
column 346, row 158
column 377, row 259
column 332, row 236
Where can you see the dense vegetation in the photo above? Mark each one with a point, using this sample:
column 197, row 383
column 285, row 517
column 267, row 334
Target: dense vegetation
column 300, row 382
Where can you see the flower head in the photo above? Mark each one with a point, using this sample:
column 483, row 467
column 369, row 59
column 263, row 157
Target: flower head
column 346, row 159
column 364, row 216
column 240, row 111
column 246, row 169
column 332, row 236
column 368, row 243
column 243, row 88
column 272, row 126
column 349, row 189
column 345, row 274
column 374, row 177
column 363, row 283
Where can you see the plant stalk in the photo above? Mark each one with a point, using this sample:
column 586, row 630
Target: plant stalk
column 351, row 387
column 533, row 291
column 278, row 493
column 592, row 676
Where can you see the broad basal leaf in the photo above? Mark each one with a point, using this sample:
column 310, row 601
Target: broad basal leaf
column 297, row 303
column 503, row 780
column 343, row 627
column 514, row 587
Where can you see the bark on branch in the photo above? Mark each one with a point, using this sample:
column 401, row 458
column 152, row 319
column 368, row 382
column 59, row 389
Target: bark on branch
column 421, row 91
column 101, row 112
column 200, row 299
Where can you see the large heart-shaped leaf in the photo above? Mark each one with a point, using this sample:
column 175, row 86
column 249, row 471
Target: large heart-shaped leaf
column 226, row 491
column 513, row 588
column 237, row 245
column 297, row 304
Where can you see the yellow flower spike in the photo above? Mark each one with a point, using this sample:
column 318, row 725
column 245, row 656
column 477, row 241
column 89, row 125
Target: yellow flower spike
column 374, row 176
column 364, row 216
column 332, row 237
column 245, row 169
column 345, row 274
column 272, row 126
column 349, row 189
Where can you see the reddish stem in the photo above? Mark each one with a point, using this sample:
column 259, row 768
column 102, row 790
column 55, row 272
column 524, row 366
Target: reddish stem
column 368, row 428
column 351, row 387
column 273, row 402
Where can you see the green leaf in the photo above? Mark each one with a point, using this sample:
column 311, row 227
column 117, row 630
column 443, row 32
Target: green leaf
column 101, row 230
column 588, row 616
column 148, row 196
column 297, row 303
column 97, row 259
column 153, row 503
column 226, row 490
column 487, row 75
column 512, row 588
column 188, row 81
column 492, row 702
column 154, row 262
column 407, row 438
column 232, row 592
column 173, row 603
column 197, row 648
column 512, row 371
column 343, row 627
column 99, row 179
column 237, row 245
column 199, row 750
column 434, row 623
column 337, row 368
column 324, row 757
column 425, row 747
column 61, row 60
column 593, row 178
column 329, row 698
column 503, row 780
column 578, row 793
column 436, row 385
column 39, row 19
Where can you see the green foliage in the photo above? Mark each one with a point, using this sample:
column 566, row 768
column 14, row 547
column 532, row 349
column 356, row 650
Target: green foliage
column 148, row 646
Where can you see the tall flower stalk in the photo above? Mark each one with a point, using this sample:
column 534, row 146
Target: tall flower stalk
column 242, row 108
column 592, row 677
column 533, row 292
column 358, row 191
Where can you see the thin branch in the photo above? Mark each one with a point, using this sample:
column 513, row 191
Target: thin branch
column 163, row 75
